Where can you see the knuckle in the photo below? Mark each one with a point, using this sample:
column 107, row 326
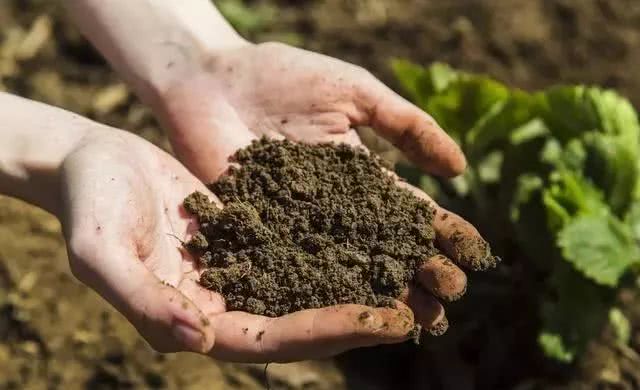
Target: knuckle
column 367, row 322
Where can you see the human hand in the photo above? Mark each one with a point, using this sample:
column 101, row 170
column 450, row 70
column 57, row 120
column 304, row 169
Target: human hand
column 123, row 220
column 278, row 91
column 281, row 92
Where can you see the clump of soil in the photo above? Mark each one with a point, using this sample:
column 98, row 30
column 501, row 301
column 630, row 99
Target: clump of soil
column 308, row 226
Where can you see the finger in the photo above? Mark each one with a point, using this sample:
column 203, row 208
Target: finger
column 460, row 240
column 442, row 278
column 314, row 333
column 410, row 129
column 427, row 311
column 167, row 319
column 456, row 237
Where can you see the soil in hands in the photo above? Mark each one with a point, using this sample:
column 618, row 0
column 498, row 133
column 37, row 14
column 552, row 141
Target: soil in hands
column 309, row 226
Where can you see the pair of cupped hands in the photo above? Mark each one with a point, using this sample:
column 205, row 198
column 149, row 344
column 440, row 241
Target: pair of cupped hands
column 124, row 198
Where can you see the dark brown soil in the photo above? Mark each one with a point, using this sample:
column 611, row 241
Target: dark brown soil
column 309, row 226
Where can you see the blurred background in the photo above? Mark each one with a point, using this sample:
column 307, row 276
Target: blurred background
column 56, row 334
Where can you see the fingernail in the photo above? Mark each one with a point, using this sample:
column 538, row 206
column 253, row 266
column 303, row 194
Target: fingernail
column 192, row 339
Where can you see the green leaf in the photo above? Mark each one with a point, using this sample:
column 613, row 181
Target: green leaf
column 246, row 19
column 465, row 103
column 621, row 325
column 423, row 83
column 570, row 194
column 510, row 119
column 441, row 76
column 567, row 111
column 573, row 156
column 607, row 128
column 462, row 103
column 557, row 214
column 599, row 246
column 553, row 345
column 612, row 163
column 573, row 193
column 574, row 310
column 412, row 78
column 616, row 114
column 528, row 185
column 632, row 219
column 529, row 223
column 489, row 167
column 532, row 129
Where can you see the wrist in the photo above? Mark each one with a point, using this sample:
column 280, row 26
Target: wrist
column 34, row 142
column 154, row 43
column 196, row 61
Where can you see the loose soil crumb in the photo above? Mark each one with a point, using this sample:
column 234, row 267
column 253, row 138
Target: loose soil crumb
column 307, row 227
column 414, row 333
column 440, row 328
column 473, row 251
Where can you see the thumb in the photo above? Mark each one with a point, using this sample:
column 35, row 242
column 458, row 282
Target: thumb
column 166, row 318
column 410, row 129
column 308, row 334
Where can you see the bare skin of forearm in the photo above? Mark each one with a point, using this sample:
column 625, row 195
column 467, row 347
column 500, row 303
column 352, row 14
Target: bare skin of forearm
column 152, row 43
column 34, row 140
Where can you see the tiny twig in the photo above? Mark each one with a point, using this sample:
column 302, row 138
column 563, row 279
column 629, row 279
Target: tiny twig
column 176, row 237
column 266, row 377
column 246, row 272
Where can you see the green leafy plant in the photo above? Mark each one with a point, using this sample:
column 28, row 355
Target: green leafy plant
column 257, row 21
column 245, row 19
column 555, row 171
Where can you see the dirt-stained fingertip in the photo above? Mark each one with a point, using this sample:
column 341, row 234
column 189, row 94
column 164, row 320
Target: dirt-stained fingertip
column 384, row 324
column 442, row 278
column 473, row 253
column 455, row 162
column 440, row 328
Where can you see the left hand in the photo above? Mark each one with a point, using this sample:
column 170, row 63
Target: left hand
column 123, row 220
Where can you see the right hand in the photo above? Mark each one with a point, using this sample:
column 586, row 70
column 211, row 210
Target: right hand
column 241, row 94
